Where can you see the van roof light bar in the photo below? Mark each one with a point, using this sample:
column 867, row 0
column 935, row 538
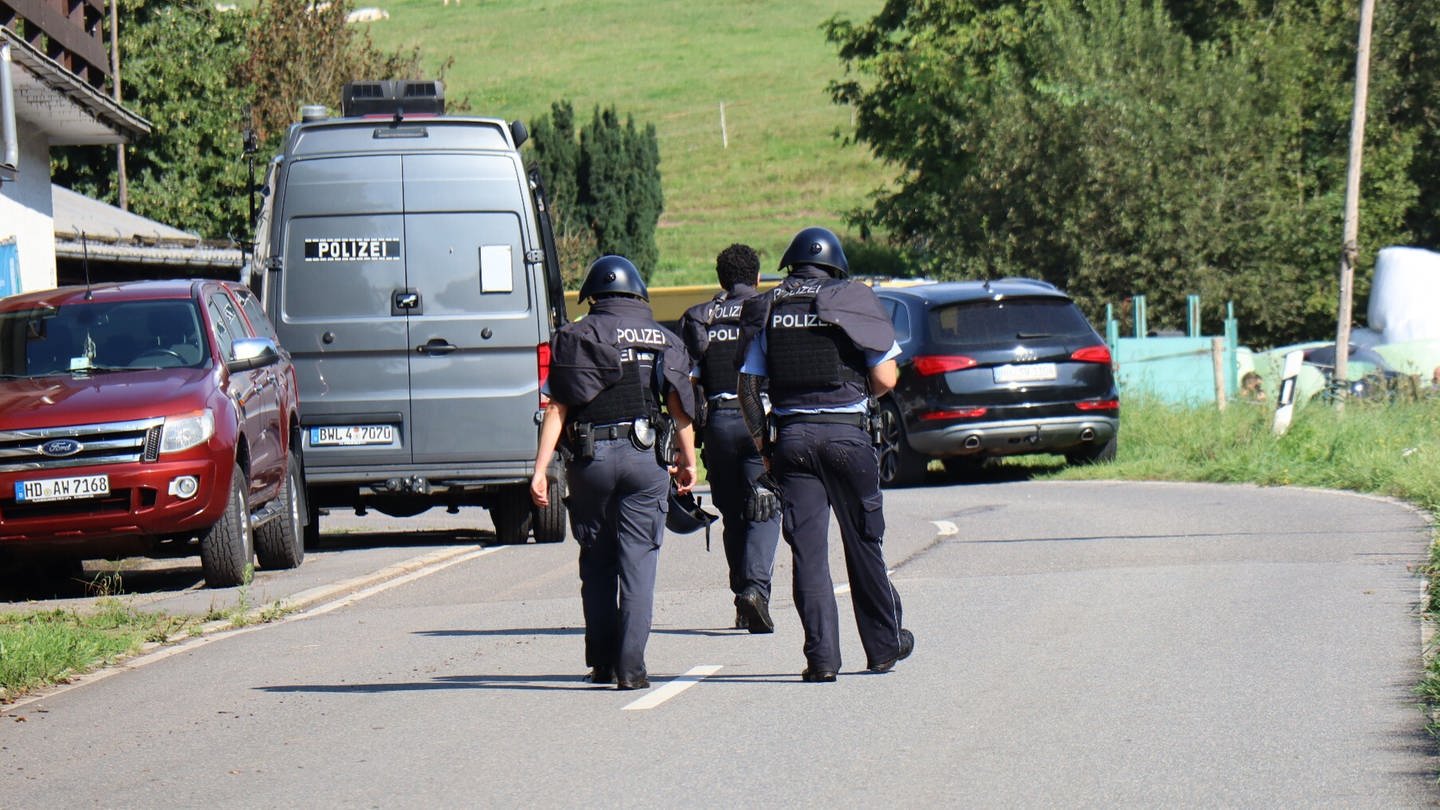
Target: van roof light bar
column 388, row 98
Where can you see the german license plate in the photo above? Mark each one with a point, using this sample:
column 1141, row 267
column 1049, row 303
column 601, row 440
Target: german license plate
column 1029, row 372
column 62, row 489
column 351, row 435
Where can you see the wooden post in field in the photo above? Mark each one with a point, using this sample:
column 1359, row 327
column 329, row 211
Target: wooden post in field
column 1349, row 249
column 724, row 136
column 1217, row 361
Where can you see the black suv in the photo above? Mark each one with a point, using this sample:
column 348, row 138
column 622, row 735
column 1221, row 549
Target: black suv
column 990, row 369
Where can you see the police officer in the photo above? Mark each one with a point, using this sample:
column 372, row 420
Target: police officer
column 826, row 347
column 711, row 331
column 610, row 375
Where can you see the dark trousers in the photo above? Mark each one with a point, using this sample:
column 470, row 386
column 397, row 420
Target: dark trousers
column 617, row 507
column 821, row 467
column 731, row 466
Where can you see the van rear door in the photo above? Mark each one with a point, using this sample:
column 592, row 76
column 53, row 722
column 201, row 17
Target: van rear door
column 474, row 387
column 342, row 307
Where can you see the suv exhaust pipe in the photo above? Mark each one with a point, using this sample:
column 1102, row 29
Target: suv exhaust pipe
column 972, row 442
column 1087, row 435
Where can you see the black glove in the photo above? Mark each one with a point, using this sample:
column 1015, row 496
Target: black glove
column 763, row 502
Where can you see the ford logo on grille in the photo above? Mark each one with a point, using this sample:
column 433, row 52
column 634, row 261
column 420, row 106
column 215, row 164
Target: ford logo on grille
column 60, row 448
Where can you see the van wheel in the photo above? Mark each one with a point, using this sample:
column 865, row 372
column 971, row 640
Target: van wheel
column 899, row 465
column 512, row 515
column 228, row 548
column 550, row 521
column 278, row 544
column 312, row 525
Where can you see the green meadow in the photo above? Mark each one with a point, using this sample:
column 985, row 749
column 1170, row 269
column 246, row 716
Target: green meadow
column 780, row 162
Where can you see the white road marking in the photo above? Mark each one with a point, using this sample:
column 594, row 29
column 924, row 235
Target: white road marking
column 673, row 688
column 945, row 527
column 400, row 580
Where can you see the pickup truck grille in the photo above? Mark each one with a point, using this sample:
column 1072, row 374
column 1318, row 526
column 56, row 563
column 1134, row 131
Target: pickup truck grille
column 108, row 443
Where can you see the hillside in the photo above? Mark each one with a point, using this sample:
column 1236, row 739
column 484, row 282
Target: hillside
column 781, row 165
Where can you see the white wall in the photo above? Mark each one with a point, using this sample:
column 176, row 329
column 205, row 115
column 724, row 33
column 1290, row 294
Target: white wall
column 27, row 213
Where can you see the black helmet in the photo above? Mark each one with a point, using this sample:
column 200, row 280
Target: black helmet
column 817, row 246
column 613, row 275
column 686, row 516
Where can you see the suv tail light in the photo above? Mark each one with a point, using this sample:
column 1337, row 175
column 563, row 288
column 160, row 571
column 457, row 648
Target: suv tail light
column 1092, row 354
column 931, row 364
column 1099, row 405
column 966, row 413
column 542, row 371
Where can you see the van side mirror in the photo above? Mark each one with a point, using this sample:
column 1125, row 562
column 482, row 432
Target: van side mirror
column 519, row 133
column 256, row 352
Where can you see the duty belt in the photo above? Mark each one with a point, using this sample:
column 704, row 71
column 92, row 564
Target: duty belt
column 853, row 419
column 619, row 430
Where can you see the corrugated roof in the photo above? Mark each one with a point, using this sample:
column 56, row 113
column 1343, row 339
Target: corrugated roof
column 85, row 225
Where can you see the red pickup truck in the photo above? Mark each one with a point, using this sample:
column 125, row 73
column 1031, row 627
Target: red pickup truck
column 157, row 418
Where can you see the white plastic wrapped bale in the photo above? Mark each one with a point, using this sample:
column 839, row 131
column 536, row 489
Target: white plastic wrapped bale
column 1405, row 294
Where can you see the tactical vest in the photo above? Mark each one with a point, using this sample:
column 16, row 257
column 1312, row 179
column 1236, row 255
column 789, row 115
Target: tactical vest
column 717, row 367
column 641, row 347
column 812, row 364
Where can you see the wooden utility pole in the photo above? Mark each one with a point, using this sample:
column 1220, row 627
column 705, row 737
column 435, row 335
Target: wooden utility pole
column 1350, row 249
column 121, row 184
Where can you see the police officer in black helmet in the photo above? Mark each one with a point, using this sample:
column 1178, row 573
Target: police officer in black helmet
column 619, row 383
column 711, row 331
column 826, row 348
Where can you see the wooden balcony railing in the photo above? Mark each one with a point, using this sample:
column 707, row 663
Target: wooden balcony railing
column 72, row 32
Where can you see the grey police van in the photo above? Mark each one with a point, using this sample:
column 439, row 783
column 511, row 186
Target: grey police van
column 407, row 261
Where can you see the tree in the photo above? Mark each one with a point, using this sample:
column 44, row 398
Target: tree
column 605, row 190
column 1112, row 149
column 178, row 72
column 201, row 77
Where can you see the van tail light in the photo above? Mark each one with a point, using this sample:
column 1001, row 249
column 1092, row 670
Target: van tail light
column 1099, row 405
column 542, row 371
column 965, row 413
column 927, row 365
column 1092, row 354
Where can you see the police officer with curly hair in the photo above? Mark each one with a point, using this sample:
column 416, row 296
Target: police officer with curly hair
column 711, row 331
column 620, row 404
column 826, row 347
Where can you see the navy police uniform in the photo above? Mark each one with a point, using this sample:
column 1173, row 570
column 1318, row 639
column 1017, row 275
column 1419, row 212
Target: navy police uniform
column 609, row 375
column 815, row 338
column 711, row 331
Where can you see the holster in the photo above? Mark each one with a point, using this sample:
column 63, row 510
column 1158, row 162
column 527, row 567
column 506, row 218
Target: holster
column 875, row 422
column 581, row 438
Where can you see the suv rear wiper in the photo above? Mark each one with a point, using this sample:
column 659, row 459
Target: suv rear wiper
column 1032, row 335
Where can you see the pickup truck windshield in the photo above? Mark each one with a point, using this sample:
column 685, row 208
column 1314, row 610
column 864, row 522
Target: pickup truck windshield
column 100, row 336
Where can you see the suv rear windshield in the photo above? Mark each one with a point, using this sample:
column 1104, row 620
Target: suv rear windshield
column 988, row 321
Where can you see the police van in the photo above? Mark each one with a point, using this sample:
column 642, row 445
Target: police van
column 407, row 261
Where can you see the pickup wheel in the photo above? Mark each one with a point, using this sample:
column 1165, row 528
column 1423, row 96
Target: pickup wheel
column 278, row 544
column 512, row 515
column 550, row 521
column 228, row 549
column 899, row 465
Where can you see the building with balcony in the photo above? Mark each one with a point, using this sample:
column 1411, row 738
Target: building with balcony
column 55, row 90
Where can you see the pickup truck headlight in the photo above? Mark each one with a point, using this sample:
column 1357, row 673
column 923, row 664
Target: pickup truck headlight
column 185, row 432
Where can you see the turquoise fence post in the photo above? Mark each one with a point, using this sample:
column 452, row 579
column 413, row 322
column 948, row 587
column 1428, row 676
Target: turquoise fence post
column 1232, row 346
column 1140, row 316
column 1192, row 315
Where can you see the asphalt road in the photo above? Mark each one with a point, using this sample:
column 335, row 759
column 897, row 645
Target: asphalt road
column 1078, row 644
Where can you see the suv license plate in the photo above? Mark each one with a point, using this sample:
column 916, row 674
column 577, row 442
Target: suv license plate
column 62, row 489
column 1030, row 372
column 351, row 435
